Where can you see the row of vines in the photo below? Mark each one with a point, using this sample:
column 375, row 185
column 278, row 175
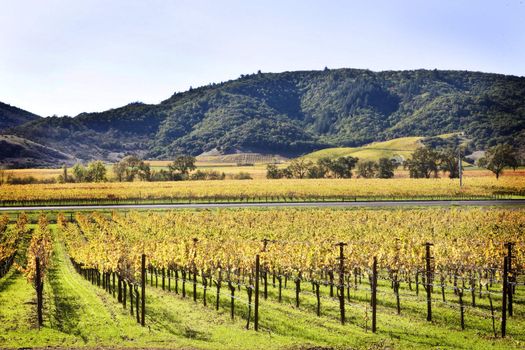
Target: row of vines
column 322, row 254
column 29, row 249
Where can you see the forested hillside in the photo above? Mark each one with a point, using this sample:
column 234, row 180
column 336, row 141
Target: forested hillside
column 11, row 116
column 293, row 113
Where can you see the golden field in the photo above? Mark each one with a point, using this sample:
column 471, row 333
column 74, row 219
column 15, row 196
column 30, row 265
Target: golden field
column 290, row 188
column 257, row 171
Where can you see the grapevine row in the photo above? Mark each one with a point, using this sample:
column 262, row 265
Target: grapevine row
column 30, row 250
column 212, row 248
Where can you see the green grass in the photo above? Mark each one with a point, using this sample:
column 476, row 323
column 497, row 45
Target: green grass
column 78, row 314
column 402, row 147
column 408, row 330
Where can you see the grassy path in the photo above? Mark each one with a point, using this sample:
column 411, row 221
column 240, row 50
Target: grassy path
column 86, row 312
column 18, row 325
column 75, row 313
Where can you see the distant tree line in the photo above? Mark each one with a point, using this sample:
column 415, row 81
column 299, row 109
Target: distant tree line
column 424, row 163
column 340, row 168
column 132, row 168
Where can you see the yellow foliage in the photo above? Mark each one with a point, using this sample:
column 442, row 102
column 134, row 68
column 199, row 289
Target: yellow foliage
column 300, row 241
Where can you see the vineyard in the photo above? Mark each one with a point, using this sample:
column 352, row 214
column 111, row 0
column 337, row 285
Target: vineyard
column 32, row 259
column 360, row 272
column 8, row 244
column 262, row 190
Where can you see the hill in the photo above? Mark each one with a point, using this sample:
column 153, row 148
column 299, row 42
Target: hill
column 18, row 152
column 12, row 116
column 294, row 113
column 400, row 148
column 109, row 135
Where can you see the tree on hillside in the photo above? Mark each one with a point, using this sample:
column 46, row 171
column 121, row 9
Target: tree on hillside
column 119, row 170
column 64, row 173
column 367, row 169
column 324, row 165
column 273, row 172
column 316, row 172
column 299, row 167
column 79, row 173
column 96, row 171
column 144, row 172
column 342, row 167
column 182, row 165
column 132, row 166
column 498, row 158
column 127, row 168
column 64, row 177
column 302, row 168
column 449, row 162
column 423, row 164
column 386, row 168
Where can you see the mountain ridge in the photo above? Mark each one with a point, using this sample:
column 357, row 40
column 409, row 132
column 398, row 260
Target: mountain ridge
column 292, row 113
column 11, row 116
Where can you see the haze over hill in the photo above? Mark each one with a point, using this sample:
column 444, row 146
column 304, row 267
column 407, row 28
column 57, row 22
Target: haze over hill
column 293, row 113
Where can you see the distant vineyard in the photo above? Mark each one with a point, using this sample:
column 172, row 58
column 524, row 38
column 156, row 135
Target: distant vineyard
column 265, row 190
column 465, row 259
column 242, row 158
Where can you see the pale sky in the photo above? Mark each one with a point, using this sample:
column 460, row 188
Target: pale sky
column 66, row 57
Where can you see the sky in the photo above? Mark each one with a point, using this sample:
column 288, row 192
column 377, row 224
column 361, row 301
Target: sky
column 65, row 57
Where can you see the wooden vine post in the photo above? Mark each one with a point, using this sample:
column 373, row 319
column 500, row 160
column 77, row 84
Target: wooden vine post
column 265, row 276
column 143, row 291
column 130, row 299
column 119, row 294
column 163, row 278
column 39, row 288
column 504, row 297
column 124, row 292
column 428, row 280
column 374, row 295
column 341, row 288
column 194, row 269
column 256, row 315
column 317, row 295
column 137, row 302
column 232, row 299
column 218, row 284
column 461, row 308
column 510, row 289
